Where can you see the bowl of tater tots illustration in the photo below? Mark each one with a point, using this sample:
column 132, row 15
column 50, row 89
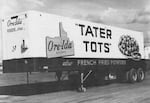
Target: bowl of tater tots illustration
column 129, row 46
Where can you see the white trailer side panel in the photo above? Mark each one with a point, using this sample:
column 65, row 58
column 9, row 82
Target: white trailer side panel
column 15, row 37
column 1, row 42
column 91, row 40
column 41, row 26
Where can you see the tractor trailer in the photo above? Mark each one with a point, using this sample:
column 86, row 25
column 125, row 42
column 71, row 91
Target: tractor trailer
column 35, row 41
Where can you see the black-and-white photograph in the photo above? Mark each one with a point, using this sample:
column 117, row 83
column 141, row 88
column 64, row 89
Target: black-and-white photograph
column 75, row 51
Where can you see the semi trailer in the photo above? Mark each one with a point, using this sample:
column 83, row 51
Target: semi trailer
column 34, row 41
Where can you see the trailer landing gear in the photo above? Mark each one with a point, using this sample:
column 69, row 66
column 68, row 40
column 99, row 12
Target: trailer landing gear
column 82, row 79
column 82, row 88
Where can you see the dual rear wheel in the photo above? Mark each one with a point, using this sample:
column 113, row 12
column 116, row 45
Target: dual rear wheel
column 135, row 75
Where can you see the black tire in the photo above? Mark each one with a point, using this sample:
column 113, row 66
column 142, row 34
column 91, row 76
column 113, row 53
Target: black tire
column 132, row 76
column 140, row 75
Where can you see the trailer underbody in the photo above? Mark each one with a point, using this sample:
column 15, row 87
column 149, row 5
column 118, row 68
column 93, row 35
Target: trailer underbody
column 82, row 71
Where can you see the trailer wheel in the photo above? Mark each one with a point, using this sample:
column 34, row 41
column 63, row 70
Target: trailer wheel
column 140, row 75
column 132, row 76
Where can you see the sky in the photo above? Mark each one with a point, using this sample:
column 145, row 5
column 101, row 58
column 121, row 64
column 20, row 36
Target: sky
column 130, row 14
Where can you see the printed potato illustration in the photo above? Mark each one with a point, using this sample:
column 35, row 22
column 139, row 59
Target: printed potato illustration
column 128, row 45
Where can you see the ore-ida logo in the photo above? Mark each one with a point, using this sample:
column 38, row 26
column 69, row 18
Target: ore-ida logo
column 15, row 24
column 59, row 46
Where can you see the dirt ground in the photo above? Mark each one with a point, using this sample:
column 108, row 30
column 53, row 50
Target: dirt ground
column 113, row 93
